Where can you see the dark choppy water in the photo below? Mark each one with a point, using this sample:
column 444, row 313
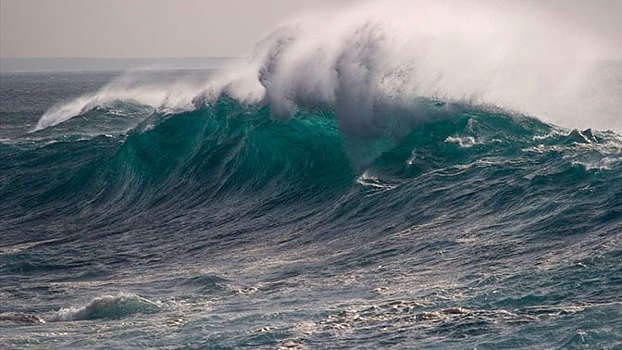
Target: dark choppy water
column 217, row 226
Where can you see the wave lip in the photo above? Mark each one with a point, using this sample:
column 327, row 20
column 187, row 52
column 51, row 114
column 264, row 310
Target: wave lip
column 108, row 307
column 151, row 90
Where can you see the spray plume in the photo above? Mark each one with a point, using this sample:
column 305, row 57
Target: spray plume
column 391, row 53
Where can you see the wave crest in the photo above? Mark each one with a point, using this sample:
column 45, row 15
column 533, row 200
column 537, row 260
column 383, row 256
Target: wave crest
column 361, row 60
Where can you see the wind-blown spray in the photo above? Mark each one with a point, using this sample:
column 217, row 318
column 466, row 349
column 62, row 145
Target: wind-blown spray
column 390, row 53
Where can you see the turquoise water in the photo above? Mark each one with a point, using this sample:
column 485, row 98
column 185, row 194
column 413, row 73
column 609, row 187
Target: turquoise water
column 444, row 225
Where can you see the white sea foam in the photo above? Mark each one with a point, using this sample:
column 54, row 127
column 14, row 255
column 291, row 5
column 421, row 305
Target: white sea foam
column 107, row 306
column 463, row 142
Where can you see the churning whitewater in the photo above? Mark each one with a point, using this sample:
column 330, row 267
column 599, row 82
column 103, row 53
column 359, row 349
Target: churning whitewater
column 421, row 177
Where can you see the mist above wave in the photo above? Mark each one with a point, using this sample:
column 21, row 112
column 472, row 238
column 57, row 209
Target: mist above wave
column 381, row 56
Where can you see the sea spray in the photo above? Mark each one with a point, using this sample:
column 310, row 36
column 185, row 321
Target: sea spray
column 166, row 91
column 382, row 54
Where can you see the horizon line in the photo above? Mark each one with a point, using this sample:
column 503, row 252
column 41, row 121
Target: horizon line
column 52, row 64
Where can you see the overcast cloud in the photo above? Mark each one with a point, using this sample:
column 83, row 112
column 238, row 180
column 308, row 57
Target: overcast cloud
column 199, row 28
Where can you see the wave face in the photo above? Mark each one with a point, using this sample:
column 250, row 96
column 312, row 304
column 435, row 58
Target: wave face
column 226, row 151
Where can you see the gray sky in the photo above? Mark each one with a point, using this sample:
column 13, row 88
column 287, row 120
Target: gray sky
column 191, row 28
column 142, row 28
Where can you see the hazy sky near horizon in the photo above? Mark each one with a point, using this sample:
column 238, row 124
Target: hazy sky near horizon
column 200, row 28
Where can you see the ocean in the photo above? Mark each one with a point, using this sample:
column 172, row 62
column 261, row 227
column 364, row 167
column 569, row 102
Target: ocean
column 286, row 205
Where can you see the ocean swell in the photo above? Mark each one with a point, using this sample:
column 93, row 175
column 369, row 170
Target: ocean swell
column 231, row 155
